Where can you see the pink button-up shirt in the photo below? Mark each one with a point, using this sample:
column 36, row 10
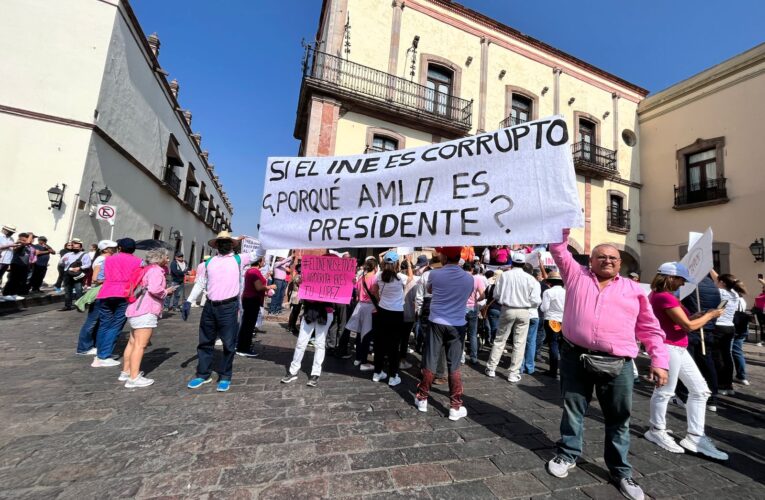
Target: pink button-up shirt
column 222, row 277
column 607, row 320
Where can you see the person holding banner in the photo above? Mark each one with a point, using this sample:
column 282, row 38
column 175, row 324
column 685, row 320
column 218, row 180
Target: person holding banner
column 674, row 320
column 603, row 314
column 450, row 287
column 317, row 316
column 389, row 318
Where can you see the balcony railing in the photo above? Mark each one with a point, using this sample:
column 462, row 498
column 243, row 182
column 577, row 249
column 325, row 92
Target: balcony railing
column 593, row 160
column 511, row 121
column 711, row 190
column 190, row 198
column 202, row 210
column 386, row 89
column 172, row 181
column 618, row 220
column 209, row 219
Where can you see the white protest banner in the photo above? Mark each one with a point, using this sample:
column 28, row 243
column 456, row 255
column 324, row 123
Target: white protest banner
column 402, row 251
column 699, row 259
column 515, row 185
column 533, row 258
column 250, row 244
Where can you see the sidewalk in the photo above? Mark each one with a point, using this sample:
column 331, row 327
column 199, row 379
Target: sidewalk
column 71, row 431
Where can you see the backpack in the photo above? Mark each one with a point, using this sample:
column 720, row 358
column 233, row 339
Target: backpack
column 135, row 288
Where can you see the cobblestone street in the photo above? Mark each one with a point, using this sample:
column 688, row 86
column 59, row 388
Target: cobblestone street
column 71, row 431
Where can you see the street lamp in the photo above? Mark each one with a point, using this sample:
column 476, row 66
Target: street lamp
column 105, row 195
column 758, row 250
column 56, row 196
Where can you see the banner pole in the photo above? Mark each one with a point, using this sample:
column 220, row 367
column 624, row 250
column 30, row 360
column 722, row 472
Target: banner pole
column 703, row 346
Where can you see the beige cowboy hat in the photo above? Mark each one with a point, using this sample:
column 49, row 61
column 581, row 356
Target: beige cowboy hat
column 223, row 235
column 11, row 229
column 554, row 276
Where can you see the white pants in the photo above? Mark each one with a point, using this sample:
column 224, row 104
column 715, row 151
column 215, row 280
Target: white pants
column 516, row 322
column 681, row 366
column 305, row 335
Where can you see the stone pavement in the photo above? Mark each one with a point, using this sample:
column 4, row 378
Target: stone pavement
column 71, row 431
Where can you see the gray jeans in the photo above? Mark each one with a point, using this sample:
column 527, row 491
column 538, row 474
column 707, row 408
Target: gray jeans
column 516, row 322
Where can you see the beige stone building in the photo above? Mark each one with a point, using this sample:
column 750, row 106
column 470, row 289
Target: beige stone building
column 391, row 75
column 702, row 165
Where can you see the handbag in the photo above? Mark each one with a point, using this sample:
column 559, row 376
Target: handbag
column 601, row 365
column 76, row 275
column 374, row 300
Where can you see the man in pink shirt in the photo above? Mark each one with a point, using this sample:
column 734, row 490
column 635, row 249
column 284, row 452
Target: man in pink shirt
column 603, row 316
column 221, row 276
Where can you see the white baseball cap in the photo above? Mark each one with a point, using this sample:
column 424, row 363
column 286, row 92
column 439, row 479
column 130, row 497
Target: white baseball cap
column 104, row 244
column 676, row 269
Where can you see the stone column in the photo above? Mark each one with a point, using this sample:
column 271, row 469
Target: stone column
column 484, row 83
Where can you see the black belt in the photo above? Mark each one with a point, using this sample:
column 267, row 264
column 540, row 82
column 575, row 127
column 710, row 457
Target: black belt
column 589, row 351
column 224, row 301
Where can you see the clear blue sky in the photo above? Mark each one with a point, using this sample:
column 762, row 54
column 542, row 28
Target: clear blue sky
column 238, row 61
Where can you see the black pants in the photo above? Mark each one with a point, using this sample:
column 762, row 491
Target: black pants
column 294, row 313
column 337, row 327
column 72, row 290
column 217, row 321
column 403, row 346
column 705, row 363
column 722, row 356
column 388, row 328
column 250, row 309
column 38, row 273
column 3, row 269
column 17, row 280
column 553, row 340
column 60, row 280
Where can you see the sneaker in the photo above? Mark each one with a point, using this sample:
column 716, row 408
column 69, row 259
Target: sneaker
column 662, row 439
column 490, row 373
column 223, row 385
column 440, row 381
column 251, row 354
column 90, row 352
column 405, row 365
column 744, row 382
column 704, row 446
column 367, row 367
column 313, row 381
column 559, row 467
column 104, row 363
column 727, row 392
column 198, row 382
column 19, row 297
column 514, row 378
column 712, row 407
column 356, row 362
column 125, row 376
column 457, row 414
column 218, row 342
column 140, row 381
column 462, row 361
column 421, row 404
column 394, row 381
column 379, row 376
column 675, row 400
column 630, row 489
column 288, row 378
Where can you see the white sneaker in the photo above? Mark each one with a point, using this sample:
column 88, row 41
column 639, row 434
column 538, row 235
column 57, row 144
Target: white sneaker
column 712, row 407
column 379, row 376
column 457, row 414
column 140, row 381
column 394, row 381
column 462, row 361
column 663, row 440
column 367, row 367
column 3, row 298
column 727, row 392
column 704, row 446
column 125, row 376
column 218, row 342
column 490, row 373
column 630, row 489
column 745, row 382
column 19, row 297
column 559, row 467
column 421, row 404
column 356, row 362
column 514, row 378
column 90, row 352
column 103, row 363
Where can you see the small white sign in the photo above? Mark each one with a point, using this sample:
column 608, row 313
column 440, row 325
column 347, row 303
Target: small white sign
column 107, row 213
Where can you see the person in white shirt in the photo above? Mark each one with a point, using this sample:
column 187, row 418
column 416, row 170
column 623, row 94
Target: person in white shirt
column 731, row 290
column 6, row 249
column 389, row 318
column 553, row 301
column 517, row 292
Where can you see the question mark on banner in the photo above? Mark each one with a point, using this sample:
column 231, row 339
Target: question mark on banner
column 269, row 206
column 509, row 207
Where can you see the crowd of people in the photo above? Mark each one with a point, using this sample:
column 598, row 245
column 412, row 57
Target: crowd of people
column 447, row 308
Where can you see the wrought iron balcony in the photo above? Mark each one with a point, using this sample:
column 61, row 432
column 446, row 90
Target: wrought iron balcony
column 594, row 161
column 172, row 181
column 511, row 121
column 190, row 198
column 713, row 190
column 202, row 210
column 618, row 220
column 385, row 92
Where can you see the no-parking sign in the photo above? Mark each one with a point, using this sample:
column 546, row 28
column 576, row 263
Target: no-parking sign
column 107, row 213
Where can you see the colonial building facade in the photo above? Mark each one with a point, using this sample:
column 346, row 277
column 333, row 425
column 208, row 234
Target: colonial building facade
column 392, row 75
column 88, row 114
column 702, row 161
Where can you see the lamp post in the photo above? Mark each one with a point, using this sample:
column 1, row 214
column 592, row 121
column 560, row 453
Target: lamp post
column 56, row 196
column 758, row 250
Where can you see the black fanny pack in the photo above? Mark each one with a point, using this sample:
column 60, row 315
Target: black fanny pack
column 598, row 363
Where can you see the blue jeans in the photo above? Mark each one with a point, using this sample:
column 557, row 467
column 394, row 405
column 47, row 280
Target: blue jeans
column 531, row 347
column 276, row 301
column 87, row 340
column 217, row 321
column 111, row 319
column 493, row 316
column 738, row 355
column 472, row 330
column 174, row 298
column 615, row 397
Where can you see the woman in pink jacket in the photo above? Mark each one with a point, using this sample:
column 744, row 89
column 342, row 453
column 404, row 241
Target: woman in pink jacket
column 143, row 315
